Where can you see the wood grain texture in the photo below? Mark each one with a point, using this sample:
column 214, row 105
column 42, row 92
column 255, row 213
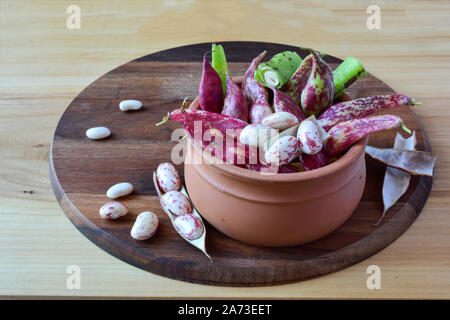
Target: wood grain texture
column 44, row 66
column 82, row 171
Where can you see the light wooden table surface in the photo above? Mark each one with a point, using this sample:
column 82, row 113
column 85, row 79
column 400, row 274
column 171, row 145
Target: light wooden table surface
column 44, row 65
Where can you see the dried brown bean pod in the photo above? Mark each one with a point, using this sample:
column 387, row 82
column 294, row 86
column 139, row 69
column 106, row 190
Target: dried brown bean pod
column 413, row 162
column 396, row 182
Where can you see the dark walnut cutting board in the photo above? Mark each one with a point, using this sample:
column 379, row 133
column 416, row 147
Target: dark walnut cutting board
column 82, row 170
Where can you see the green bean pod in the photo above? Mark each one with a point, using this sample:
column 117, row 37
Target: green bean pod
column 219, row 63
column 350, row 70
column 278, row 71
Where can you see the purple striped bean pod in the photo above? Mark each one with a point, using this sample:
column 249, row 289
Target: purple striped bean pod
column 345, row 134
column 259, row 110
column 235, row 104
column 283, row 102
column 362, row 107
column 210, row 92
column 318, row 93
column 299, row 79
column 251, row 88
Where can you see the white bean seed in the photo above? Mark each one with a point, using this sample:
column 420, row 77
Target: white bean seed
column 119, row 190
column 126, row 105
column 97, row 133
column 257, row 134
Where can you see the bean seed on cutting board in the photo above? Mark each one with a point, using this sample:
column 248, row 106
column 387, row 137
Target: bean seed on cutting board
column 145, row 226
column 126, row 105
column 113, row 210
column 119, row 190
column 98, row 133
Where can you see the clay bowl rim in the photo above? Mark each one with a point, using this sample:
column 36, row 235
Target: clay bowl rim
column 346, row 160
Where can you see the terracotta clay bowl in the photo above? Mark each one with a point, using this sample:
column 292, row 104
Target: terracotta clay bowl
column 275, row 210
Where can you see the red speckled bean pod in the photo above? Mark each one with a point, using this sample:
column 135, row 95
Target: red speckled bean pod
column 221, row 122
column 210, row 92
column 299, row 79
column 360, row 108
column 235, row 104
column 223, row 141
column 259, row 109
column 288, row 168
column 318, row 93
column 283, row 102
column 344, row 134
column 251, row 88
column 316, row 161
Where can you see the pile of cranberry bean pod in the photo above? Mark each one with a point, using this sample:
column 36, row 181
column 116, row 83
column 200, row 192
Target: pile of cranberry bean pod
column 287, row 96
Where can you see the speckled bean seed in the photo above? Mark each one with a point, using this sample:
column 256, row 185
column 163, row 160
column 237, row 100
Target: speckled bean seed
column 168, row 178
column 283, row 151
column 119, row 190
column 308, row 137
column 98, row 133
column 176, row 202
column 126, row 105
column 280, row 120
column 189, row 226
column 145, row 226
column 113, row 210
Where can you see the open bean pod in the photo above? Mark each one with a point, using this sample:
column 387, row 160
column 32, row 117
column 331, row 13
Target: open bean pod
column 199, row 243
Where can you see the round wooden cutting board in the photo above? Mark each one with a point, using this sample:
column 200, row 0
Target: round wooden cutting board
column 82, row 170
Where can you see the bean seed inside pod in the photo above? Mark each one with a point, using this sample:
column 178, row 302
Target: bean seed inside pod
column 168, row 178
column 145, row 226
column 119, row 190
column 126, row 105
column 113, row 210
column 98, row 133
column 176, row 202
column 189, row 226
